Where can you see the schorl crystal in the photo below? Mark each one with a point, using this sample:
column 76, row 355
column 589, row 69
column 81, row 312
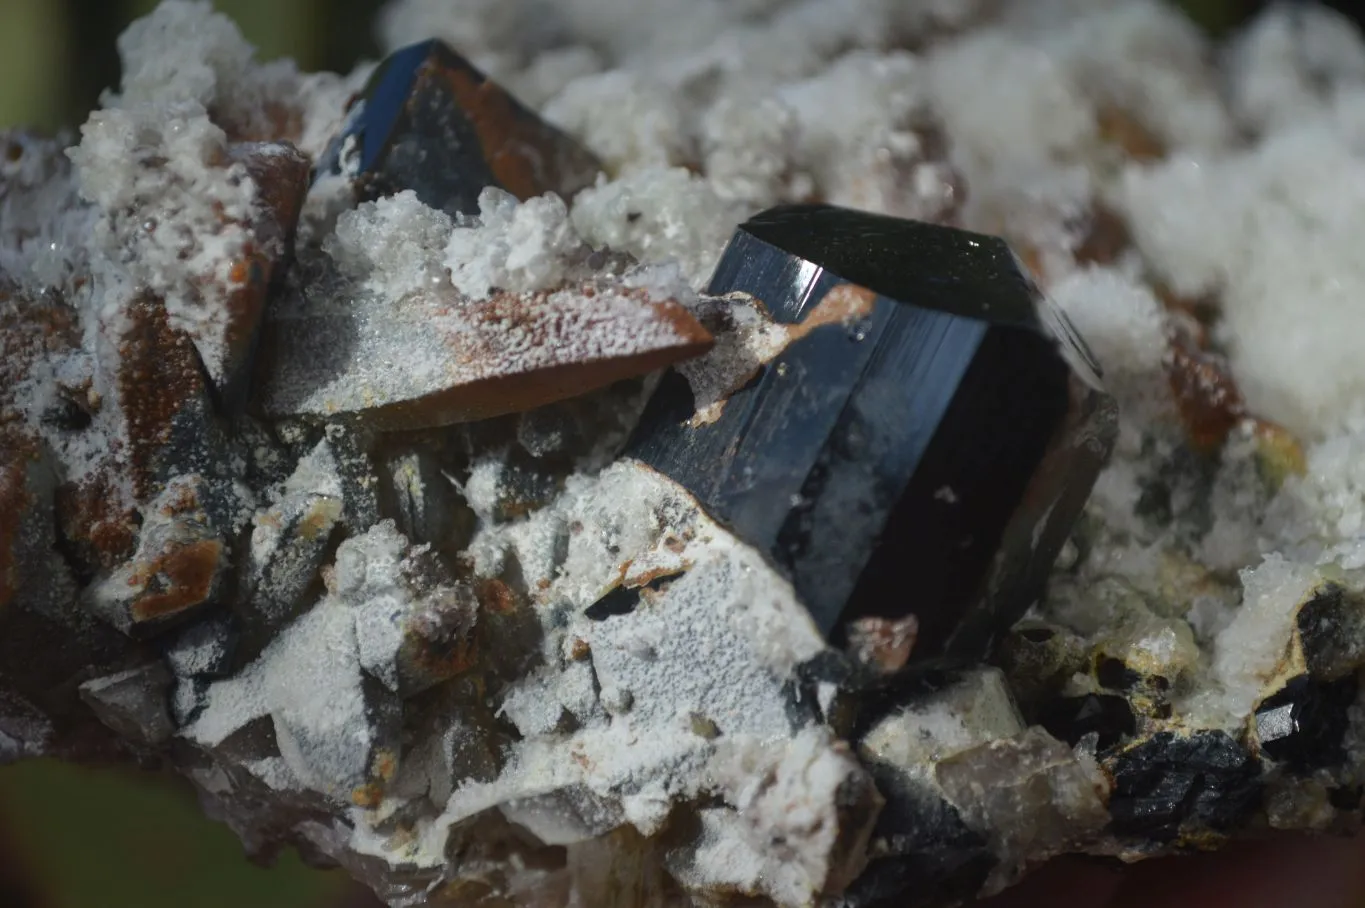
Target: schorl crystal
column 1303, row 725
column 925, row 458
column 430, row 122
column 1108, row 717
column 1171, row 784
column 928, row 854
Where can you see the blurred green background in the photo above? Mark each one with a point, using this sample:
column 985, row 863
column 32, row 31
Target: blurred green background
column 57, row 55
column 79, row 838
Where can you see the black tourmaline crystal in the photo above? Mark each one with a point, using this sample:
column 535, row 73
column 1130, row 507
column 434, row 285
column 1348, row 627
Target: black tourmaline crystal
column 928, row 458
column 430, row 122
column 1304, row 724
column 1106, row 716
column 1171, row 785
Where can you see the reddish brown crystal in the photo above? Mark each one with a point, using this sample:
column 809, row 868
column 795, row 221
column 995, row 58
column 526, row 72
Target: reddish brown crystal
column 1106, row 237
column 159, row 382
column 16, row 502
column 1206, row 395
column 515, row 391
column 29, row 329
column 528, row 156
column 1119, row 127
column 506, row 354
column 434, row 649
column 280, row 173
column 497, row 597
column 181, row 578
column 96, row 523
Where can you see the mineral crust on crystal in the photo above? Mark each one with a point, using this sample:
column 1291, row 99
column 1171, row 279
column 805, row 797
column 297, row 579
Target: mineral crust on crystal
column 350, row 432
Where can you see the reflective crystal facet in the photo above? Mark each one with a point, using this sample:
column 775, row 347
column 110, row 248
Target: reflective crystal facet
column 430, row 122
column 1304, row 724
column 1171, row 785
column 925, row 456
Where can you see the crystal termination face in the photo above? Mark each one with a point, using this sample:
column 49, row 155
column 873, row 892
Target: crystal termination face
column 430, row 122
column 926, row 459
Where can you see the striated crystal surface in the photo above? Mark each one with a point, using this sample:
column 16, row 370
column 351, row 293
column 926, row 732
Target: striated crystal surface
column 1173, row 784
column 929, row 423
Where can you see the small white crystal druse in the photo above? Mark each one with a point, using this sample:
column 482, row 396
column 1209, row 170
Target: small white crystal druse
column 311, row 476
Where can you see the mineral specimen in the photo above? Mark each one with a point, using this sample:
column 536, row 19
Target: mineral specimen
column 930, row 419
column 427, row 517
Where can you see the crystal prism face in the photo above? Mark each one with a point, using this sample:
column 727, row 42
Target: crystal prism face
column 430, row 122
column 925, row 459
column 1304, row 724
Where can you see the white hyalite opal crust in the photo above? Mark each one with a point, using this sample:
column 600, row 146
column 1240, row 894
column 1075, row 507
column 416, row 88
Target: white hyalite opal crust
column 380, row 597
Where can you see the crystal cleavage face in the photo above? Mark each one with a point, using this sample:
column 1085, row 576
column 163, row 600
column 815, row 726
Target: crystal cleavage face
column 926, row 459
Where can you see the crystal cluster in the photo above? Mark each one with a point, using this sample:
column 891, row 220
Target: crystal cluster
column 617, row 454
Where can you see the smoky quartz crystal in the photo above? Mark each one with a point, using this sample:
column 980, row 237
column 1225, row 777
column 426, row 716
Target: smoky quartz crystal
column 429, row 121
column 922, row 454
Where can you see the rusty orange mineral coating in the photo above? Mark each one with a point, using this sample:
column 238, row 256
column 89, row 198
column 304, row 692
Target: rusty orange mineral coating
column 883, row 644
column 158, row 376
column 320, row 519
column 246, row 301
column 94, row 518
column 239, row 272
column 368, row 796
column 1119, row 127
column 527, row 156
column 438, row 660
column 184, row 574
column 844, row 304
column 514, row 392
column 383, row 767
column 90, row 512
column 280, row 174
column 29, row 328
column 496, row 596
column 1208, row 399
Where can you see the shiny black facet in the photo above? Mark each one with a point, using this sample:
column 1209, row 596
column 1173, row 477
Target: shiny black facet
column 1172, row 784
column 1303, row 725
column 1106, row 716
column 928, row 459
